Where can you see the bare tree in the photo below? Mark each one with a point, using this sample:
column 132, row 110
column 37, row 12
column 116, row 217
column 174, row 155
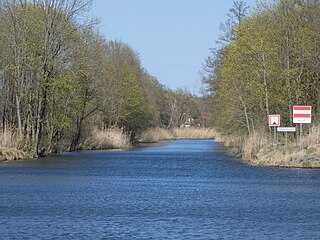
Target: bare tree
column 236, row 15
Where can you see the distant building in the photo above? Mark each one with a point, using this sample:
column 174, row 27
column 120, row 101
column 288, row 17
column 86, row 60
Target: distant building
column 201, row 121
column 186, row 120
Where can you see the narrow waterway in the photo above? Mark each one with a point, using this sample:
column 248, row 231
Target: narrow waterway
column 176, row 190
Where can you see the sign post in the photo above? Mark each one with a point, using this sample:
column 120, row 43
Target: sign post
column 286, row 130
column 301, row 135
column 274, row 121
column 301, row 114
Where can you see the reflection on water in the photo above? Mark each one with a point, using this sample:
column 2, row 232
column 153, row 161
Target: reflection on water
column 176, row 190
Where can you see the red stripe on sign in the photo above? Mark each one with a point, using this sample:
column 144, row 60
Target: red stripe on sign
column 302, row 115
column 302, row 108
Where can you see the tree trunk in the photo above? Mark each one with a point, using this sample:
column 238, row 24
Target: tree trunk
column 265, row 86
column 287, row 57
column 19, row 115
column 42, row 108
column 244, row 105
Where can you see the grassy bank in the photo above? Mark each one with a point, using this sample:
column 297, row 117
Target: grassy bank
column 9, row 154
column 9, row 147
column 110, row 138
column 257, row 149
column 155, row 135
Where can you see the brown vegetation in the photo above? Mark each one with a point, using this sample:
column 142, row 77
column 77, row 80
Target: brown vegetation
column 257, row 149
column 8, row 147
column 111, row 138
column 8, row 154
column 8, row 139
column 253, row 144
column 193, row 133
column 154, row 135
column 159, row 134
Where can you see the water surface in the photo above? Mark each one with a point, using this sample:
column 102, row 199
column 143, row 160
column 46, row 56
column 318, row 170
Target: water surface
column 177, row 190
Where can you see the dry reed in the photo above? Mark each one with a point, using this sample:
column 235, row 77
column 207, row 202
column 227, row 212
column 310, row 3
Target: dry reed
column 159, row 134
column 111, row 138
column 313, row 138
column 193, row 133
column 8, row 139
column 253, row 144
column 154, row 135
column 259, row 152
column 9, row 147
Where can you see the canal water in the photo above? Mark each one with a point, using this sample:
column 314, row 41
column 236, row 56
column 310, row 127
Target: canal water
column 176, row 190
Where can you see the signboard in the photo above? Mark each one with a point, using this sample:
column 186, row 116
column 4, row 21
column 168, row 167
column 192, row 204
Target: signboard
column 302, row 114
column 286, row 129
column 274, row 120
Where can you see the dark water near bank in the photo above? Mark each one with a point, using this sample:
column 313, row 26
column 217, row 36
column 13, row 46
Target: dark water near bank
column 178, row 190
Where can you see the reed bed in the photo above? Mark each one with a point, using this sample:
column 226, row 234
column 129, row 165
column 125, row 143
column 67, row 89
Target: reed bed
column 8, row 139
column 154, row 135
column 111, row 138
column 193, row 133
column 9, row 142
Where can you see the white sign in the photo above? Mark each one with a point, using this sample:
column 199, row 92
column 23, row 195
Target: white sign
column 286, row 129
column 302, row 114
column 274, row 120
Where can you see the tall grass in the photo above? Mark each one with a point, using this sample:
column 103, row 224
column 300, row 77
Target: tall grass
column 154, row 135
column 254, row 143
column 193, row 133
column 257, row 149
column 8, row 139
column 111, row 138
column 313, row 138
column 159, row 134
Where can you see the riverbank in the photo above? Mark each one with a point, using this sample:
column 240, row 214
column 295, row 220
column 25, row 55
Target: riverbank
column 307, row 157
column 257, row 149
column 10, row 154
column 8, row 147
column 115, row 139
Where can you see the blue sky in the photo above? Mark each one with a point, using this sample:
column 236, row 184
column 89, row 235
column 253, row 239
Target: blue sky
column 173, row 37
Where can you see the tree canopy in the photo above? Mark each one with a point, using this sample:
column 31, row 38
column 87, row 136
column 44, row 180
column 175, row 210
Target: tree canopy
column 60, row 78
column 270, row 65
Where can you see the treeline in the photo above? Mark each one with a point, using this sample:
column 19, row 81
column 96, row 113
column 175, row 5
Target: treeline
column 269, row 61
column 60, row 79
